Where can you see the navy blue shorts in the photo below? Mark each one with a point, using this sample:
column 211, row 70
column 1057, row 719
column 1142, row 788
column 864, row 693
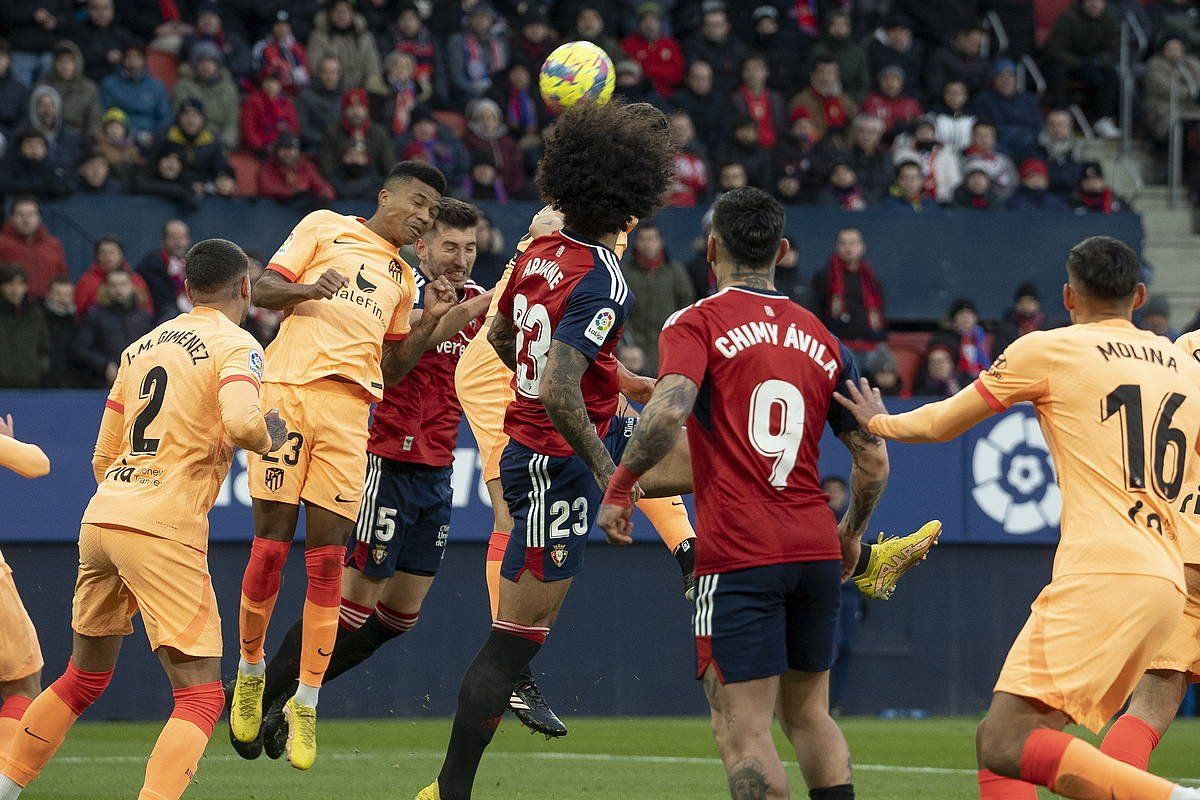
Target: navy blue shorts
column 762, row 621
column 404, row 520
column 554, row 503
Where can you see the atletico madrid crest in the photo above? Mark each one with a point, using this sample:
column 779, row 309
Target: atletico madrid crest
column 273, row 477
column 558, row 554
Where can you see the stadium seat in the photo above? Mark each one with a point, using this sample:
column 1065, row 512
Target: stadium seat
column 453, row 120
column 1044, row 14
column 163, row 66
column 245, row 168
column 908, row 348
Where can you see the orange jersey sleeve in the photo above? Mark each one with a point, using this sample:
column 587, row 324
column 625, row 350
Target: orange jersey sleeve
column 27, row 460
column 1022, row 372
column 164, row 427
column 341, row 336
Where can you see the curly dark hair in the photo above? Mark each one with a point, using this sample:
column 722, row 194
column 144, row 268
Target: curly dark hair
column 606, row 164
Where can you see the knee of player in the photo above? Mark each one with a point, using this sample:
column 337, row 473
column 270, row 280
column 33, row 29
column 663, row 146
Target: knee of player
column 998, row 748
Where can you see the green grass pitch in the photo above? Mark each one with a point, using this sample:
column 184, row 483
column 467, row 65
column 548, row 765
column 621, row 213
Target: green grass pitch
column 602, row 759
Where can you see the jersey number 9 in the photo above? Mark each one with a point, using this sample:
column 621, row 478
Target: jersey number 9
column 776, row 426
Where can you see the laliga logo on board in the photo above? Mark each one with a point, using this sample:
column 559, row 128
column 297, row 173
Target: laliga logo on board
column 1013, row 476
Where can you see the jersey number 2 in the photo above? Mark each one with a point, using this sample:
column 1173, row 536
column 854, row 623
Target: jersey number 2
column 154, row 386
column 776, row 426
column 533, row 343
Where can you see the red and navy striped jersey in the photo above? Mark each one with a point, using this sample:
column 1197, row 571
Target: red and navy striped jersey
column 569, row 289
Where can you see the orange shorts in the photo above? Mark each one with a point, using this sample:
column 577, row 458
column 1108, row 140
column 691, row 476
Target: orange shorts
column 1087, row 642
column 325, row 457
column 123, row 571
column 484, row 390
column 1181, row 653
column 20, row 653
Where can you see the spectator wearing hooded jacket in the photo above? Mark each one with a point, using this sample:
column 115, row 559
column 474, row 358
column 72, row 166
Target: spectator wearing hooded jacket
column 1034, row 192
column 101, row 39
column 999, row 166
column 474, row 55
column 79, row 94
column 24, row 240
column 116, row 144
column 45, row 117
column 1015, row 114
column 14, row 95
column 486, row 131
column 205, row 79
column 267, row 112
column 200, row 149
column 342, row 33
column 658, row 53
column 289, row 176
column 838, row 44
column 280, row 53
column 28, row 169
column 139, row 94
column 356, row 153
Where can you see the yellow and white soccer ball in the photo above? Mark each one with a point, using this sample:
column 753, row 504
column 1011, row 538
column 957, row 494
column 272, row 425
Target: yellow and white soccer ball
column 576, row 71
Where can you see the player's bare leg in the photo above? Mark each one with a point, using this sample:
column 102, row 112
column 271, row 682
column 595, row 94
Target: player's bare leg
column 821, row 749
column 16, row 697
column 1152, row 709
column 528, row 607
column 502, row 525
column 1022, row 740
column 274, row 528
column 196, row 685
column 46, row 722
column 742, row 716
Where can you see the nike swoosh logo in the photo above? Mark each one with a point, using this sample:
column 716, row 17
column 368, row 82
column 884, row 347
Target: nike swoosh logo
column 320, row 652
column 341, row 499
column 251, row 641
column 335, row 241
column 34, row 735
column 375, row 385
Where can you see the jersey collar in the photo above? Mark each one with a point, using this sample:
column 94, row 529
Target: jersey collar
column 372, row 236
column 574, row 237
column 763, row 292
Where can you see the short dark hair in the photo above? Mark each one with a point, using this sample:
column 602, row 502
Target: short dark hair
column 749, row 222
column 604, row 165
column 1105, row 268
column 418, row 170
column 983, row 123
column 900, row 167
column 10, row 272
column 22, row 199
column 108, row 238
column 455, row 215
column 819, row 60
column 214, row 264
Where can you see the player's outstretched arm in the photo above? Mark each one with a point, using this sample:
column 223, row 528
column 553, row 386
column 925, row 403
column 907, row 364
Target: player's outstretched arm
column 934, row 422
column 654, row 437
column 276, row 292
column 27, row 460
column 869, row 472
column 108, row 440
column 457, row 318
column 246, row 425
column 502, row 336
column 637, row 388
column 401, row 356
column 563, row 399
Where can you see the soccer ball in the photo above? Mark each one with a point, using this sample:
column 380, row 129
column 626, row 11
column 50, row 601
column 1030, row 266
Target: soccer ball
column 576, row 71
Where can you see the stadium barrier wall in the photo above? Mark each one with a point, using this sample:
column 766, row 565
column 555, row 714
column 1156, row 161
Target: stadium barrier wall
column 623, row 645
column 925, row 261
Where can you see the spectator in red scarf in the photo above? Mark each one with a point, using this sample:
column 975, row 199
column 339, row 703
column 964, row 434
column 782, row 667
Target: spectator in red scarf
column 1024, row 317
column 281, row 54
column 289, row 176
column 486, row 131
column 830, row 107
column 964, row 337
column 976, row 192
column 405, row 93
column 691, row 182
column 938, row 377
column 890, row 102
column 412, row 36
column 1093, row 195
column 659, row 54
column 848, row 297
column 535, row 39
column 428, row 142
column 356, row 153
column 842, row 189
column 162, row 270
column 475, row 55
column 266, row 112
column 765, row 106
column 109, row 256
column 521, row 104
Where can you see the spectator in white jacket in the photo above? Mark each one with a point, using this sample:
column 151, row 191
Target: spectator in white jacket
column 939, row 164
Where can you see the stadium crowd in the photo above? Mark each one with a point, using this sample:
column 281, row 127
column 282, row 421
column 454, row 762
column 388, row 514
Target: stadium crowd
column 849, row 105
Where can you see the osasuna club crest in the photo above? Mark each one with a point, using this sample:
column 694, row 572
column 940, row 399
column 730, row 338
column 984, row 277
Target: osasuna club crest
column 378, row 553
column 558, row 554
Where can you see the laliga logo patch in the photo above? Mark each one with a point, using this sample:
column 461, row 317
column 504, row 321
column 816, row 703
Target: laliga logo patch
column 600, row 326
column 558, row 554
column 256, row 364
column 286, row 244
column 1014, row 477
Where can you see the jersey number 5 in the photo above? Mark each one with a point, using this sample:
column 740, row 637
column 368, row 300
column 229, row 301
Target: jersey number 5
column 533, row 343
column 776, row 426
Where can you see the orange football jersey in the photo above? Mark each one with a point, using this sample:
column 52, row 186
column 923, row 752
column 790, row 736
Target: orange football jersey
column 343, row 335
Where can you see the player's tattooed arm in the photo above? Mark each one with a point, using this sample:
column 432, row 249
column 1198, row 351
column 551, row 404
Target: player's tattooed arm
column 563, row 399
column 661, row 423
column 276, row 292
column 868, row 479
column 502, row 336
column 401, row 356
